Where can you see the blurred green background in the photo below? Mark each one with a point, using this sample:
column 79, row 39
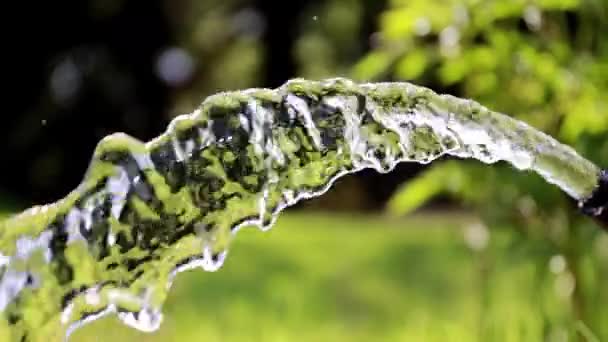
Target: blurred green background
column 454, row 251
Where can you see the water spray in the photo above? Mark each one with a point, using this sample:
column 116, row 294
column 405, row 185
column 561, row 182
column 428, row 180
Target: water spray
column 146, row 211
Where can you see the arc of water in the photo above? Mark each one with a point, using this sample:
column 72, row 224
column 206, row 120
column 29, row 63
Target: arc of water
column 145, row 212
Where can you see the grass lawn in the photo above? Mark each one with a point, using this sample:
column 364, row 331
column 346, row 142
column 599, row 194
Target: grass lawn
column 326, row 277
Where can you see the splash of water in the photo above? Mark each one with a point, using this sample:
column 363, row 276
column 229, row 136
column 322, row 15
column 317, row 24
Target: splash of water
column 145, row 212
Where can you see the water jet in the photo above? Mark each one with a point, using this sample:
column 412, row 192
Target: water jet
column 146, row 211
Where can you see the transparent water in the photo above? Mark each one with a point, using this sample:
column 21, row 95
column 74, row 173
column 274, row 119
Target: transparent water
column 145, row 212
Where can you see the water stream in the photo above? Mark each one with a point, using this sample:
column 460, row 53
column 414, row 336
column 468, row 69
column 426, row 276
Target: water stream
column 146, row 211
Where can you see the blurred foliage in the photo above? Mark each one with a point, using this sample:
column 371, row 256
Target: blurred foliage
column 322, row 277
column 541, row 61
column 223, row 38
column 325, row 49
